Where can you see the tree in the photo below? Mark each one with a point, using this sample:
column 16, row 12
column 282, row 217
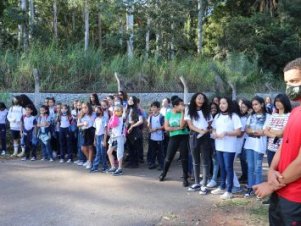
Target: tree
column 235, row 71
column 87, row 25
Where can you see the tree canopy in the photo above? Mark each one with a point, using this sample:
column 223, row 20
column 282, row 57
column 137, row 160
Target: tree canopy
column 149, row 42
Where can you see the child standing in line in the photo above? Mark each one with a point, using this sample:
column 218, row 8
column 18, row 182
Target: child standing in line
column 14, row 117
column 85, row 122
column 56, row 133
column 3, row 115
column 54, row 140
column 198, row 118
column 29, row 127
column 80, row 155
column 44, row 133
column 226, row 127
column 245, row 106
column 117, row 140
column 100, row 125
column 256, row 142
column 65, row 136
column 156, row 126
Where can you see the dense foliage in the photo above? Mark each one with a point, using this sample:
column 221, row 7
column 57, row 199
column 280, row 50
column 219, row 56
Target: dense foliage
column 77, row 45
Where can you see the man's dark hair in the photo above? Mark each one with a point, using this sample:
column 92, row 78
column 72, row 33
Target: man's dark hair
column 295, row 64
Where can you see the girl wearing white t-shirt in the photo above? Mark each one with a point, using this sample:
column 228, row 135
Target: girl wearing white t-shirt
column 276, row 124
column 100, row 125
column 85, row 123
column 65, row 135
column 256, row 142
column 3, row 115
column 198, row 118
column 245, row 107
column 226, row 127
column 15, row 113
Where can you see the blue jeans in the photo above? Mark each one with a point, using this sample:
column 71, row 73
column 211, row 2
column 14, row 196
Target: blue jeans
column 46, row 150
column 225, row 161
column 3, row 136
column 254, row 160
column 101, row 154
column 80, row 141
column 214, row 162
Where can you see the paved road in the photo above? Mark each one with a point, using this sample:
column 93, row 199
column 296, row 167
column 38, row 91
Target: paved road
column 43, row 193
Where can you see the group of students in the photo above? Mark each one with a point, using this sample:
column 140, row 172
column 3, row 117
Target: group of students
column 209, row 136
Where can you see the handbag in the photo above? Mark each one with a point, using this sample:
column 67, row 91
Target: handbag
column 44, row 137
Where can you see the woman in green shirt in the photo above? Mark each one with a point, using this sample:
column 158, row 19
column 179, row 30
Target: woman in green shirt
column 178, row 138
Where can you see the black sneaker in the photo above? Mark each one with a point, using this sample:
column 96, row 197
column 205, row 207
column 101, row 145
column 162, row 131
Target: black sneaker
column 94, row 170
column 162, row 177
column 118, row 172
column 249, row 193
column 111, row 170
column 266, row 202
column 153, row 166
column 194, row 187
column 185, row 182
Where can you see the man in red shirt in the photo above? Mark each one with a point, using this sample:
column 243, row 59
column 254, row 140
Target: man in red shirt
column 284, row 177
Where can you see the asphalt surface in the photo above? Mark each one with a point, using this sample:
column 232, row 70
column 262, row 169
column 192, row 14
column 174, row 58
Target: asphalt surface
column 44, row 193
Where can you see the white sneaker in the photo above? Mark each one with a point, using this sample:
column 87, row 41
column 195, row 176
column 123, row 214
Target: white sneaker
column 89, row 165
column 62, row 161
column 211, row 184
column 69, row 161
column 203, row 191
column 80, row 163
column 23, row 159
column 85, row 164
column 218, row 191
column 33, row 159
column 76, row 162
column 51, row 160
column 43, row 159
column 226, row 195
column 3, row 153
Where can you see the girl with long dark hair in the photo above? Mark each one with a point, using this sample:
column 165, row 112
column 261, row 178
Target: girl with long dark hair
column 198, row 119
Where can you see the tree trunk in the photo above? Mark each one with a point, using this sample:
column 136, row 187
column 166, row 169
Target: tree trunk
column 86, row 13
column 147, row 37
column 200, row 25
column 120, row 32
column 130, row 30
column 158, row 27
column 99, row 31
column 36, row 86
column 234, row 91
column 73, row 21
column 172, row 43
column 55, row 29
column 31, row 18
column 185, row 92
column 24, row 25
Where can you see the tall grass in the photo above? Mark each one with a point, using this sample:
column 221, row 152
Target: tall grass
column 71, row 69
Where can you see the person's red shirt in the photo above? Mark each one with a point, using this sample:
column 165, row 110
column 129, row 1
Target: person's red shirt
column 291, row 145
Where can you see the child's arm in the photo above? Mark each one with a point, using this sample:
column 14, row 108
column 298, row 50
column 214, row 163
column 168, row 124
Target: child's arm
column 105, row 136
